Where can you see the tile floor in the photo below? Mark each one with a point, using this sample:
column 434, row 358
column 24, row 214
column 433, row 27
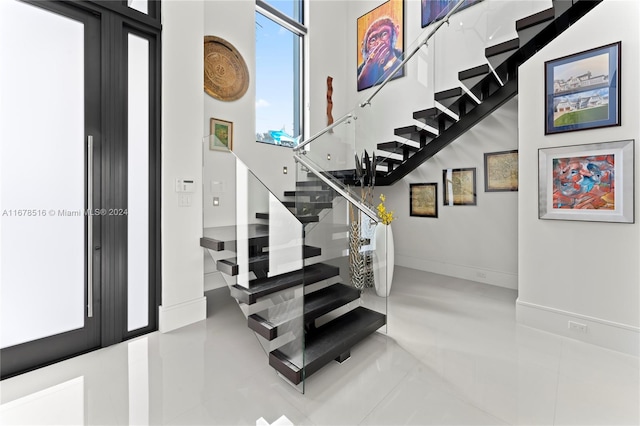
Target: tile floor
column 453, row 355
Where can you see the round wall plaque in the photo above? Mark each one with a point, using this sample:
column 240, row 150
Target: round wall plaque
column 226, row 76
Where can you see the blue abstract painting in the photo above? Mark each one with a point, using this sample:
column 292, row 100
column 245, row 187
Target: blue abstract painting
column 434, row 10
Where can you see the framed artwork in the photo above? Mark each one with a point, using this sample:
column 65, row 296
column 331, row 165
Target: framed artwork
column 459, row 187
column 434, row 10
column 582, row 91
column 423, row 199
column 592, row 182
column 501, row 171
column 220, row 135
column 380, row 38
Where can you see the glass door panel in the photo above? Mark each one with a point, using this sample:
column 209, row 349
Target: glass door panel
column 44, row 178
column 138, row 183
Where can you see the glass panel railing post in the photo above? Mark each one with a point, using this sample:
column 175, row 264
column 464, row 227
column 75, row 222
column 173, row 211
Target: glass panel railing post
column 256, row 244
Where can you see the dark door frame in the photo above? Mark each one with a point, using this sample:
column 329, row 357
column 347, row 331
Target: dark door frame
column 107, row 123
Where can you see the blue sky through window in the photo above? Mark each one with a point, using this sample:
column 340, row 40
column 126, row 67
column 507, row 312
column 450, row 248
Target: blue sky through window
column 288, row 7
column 275, row 106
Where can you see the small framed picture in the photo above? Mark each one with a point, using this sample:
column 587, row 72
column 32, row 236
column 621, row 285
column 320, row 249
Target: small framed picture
column 459, row 187
column 220, row 135
column 582, row 91
column 501, row 171
column 592, row 182
column 424, row 199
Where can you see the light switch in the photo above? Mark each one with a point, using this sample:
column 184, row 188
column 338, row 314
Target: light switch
column 185, row 185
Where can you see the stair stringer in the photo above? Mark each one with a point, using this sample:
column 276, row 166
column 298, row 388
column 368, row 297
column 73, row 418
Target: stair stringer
column 566, row 13
column 499, row 98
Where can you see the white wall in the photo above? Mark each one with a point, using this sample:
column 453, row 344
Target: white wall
column 478, row 242
column 456, row 47
column 585, row 272
column 235, row 22
column 498, row 241
column 183, row 301
column 471, row 242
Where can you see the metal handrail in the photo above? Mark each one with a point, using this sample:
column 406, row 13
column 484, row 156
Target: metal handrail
column 406, row 59
column 363, row 207
column 322, row 132
column 414, row 51
column 340, row 190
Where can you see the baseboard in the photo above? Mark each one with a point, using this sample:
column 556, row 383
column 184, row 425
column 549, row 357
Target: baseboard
column 611, row 335
column 486, row 276
column 177, row 316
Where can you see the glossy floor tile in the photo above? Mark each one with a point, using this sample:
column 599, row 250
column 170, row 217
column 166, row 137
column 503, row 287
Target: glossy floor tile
column 453, row 355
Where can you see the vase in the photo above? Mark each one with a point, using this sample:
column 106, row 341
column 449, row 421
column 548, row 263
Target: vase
column 383, row 259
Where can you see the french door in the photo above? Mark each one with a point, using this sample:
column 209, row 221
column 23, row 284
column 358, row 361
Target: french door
column 79, row 178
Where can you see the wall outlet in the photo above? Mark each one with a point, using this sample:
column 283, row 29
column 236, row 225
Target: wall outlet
column 576, row 326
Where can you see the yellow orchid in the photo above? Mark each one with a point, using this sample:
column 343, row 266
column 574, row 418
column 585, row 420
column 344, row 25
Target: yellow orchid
column 383, row 214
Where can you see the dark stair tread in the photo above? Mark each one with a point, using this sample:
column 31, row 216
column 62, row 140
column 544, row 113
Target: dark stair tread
column 448, row 97
column 432, row 113
column 480, row 81
column 462, row 105
column 301, row 218
column 318, row 205
column 264, row 286
column 446, row 94
column 435, row 118
column 414, row 133
column 327, row 299
column 218, row 237
column 475, row 72
column 316, row 304
column 329, row 342
column 260, row 261
column 389, row 160
column 535, row 19
column 504, row 47
column 314, row 183
column 396, row 147
column 308, row 193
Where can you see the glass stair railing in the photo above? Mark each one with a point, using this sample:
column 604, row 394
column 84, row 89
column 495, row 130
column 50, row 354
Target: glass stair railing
column 460, row 69
column 287, row 265
column 312, row 273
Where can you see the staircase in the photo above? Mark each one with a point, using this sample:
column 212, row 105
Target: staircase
column 492, row 88
column 327, row 316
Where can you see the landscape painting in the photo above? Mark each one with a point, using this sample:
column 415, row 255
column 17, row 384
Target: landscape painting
column 459, row 187
column 501, row 171
column 583, row 90
column 424, row 199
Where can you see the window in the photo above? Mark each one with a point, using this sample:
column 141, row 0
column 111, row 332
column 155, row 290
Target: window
column 279, row 41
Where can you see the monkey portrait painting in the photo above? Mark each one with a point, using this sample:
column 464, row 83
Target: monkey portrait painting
column 380, row 44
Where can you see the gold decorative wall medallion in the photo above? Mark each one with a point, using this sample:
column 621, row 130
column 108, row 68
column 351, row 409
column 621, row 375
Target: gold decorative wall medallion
column 226, row 76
